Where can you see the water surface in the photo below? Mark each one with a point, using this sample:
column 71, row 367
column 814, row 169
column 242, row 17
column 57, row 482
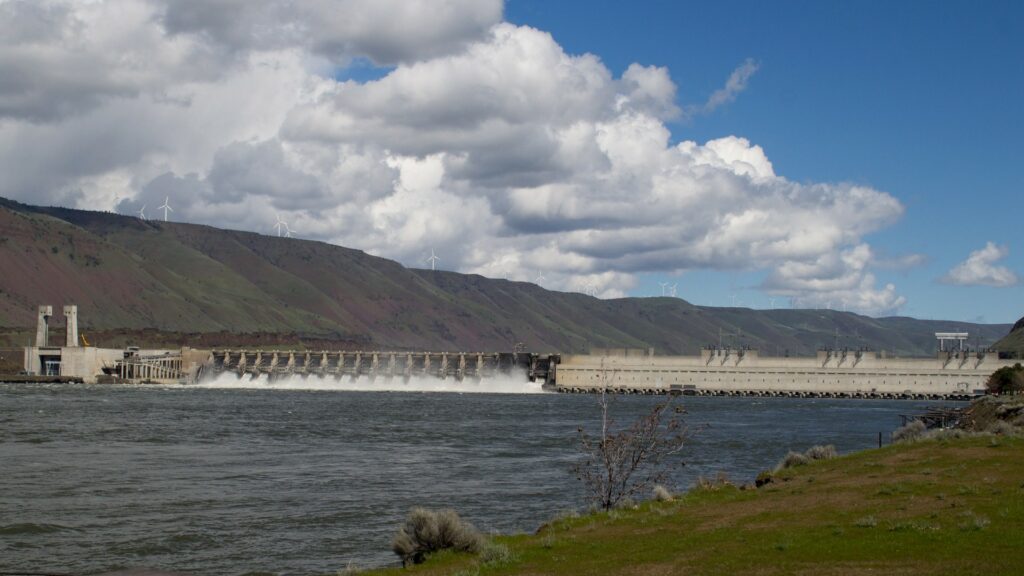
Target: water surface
column 290, row 481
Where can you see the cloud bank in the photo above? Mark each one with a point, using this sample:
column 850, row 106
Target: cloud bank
column 482, row 140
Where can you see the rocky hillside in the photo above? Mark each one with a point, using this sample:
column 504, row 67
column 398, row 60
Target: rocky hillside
column 128, row 275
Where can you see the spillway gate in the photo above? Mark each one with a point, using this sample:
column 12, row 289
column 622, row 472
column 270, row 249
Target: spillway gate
column 381, row 364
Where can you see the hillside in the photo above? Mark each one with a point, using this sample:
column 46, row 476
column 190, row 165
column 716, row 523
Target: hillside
column 949, row 506
column 190, row 282
column 1014, row 341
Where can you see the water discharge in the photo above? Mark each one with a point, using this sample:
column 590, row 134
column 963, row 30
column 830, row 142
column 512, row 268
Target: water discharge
column 511, row 383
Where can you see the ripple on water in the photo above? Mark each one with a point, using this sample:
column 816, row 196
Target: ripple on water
column 224, row 481
column 23, row 528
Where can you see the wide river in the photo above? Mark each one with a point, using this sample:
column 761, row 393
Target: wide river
column 250, row 479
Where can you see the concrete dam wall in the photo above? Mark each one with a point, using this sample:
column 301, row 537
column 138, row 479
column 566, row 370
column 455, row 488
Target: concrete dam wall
column 833, row 373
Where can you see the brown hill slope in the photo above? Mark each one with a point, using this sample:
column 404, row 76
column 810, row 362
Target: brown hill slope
column 128, row 274
column 1014, row 341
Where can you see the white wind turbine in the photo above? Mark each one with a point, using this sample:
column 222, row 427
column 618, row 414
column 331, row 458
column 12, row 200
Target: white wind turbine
column 433, row 260
column 279, row 225
column 287, row 230
column 166, row 207
column 672, row 289
column 142, row 212
column 663, row 285
column 771, row 303
column 540, row 278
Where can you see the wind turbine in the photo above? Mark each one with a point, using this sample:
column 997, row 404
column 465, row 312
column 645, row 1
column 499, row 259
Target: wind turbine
column 663, row 285
column 672, row 289
column 734, row 300
column 433, row 260
column 166, row 208
column 279, row 224
column 287, row 230
column 142, row 212
column 771, row 302
column 540, row 278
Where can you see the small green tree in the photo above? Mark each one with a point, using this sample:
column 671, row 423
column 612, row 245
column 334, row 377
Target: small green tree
column 1007, row 380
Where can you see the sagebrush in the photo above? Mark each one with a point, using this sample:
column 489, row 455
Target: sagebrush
column 427, row 531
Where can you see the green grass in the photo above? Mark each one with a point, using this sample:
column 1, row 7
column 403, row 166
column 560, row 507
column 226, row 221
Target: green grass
column 949, row 507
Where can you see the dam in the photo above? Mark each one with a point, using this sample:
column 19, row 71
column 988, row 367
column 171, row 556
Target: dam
column 954, row 373
column 951, row 374
column 377, row 364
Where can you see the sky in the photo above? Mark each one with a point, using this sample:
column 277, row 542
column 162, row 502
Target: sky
column 856, row 156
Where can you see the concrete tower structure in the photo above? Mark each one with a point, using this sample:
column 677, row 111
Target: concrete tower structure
column 43, row 326
column 71, row 326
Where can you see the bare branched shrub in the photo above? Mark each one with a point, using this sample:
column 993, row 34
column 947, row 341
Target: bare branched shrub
column 426, row 531
column 910, row 432
column 662, row 494
column 626, row 503
column 624, row 463
column 819, row 452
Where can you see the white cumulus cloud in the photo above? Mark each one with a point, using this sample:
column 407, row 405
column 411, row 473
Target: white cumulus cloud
column 482, row 140
column 981, row 269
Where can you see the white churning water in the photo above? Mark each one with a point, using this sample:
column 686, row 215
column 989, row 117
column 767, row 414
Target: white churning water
column 512, row 383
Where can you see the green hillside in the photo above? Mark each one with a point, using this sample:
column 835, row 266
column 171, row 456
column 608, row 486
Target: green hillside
column 197, row 283
column 950, row 506
column 1014, row 341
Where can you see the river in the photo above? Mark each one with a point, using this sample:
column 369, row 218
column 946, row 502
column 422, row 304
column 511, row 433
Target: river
column 240, row 478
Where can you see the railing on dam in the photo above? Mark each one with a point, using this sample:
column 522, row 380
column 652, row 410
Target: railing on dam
column 380, row 364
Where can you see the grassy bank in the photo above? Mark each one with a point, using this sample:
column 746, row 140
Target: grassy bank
column 953, row 506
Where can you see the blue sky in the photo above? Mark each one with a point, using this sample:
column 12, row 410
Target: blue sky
column 923, row 100
column 853, row 155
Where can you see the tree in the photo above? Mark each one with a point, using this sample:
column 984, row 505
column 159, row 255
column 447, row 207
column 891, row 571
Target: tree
column 619, row 464
column 1006, row 380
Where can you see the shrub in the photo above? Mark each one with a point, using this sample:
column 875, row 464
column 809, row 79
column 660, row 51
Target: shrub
column 626, row 503
column 1006, row 380
column 909, row 432
column 426, row 531
column 349, row 570
column 623, row 462
column 494, row 554
column 1002, row 428
column 866, row 522
column 662, row 494
column 764, row 477
column 721, row 480
column 792, row 460
column 819, row 452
